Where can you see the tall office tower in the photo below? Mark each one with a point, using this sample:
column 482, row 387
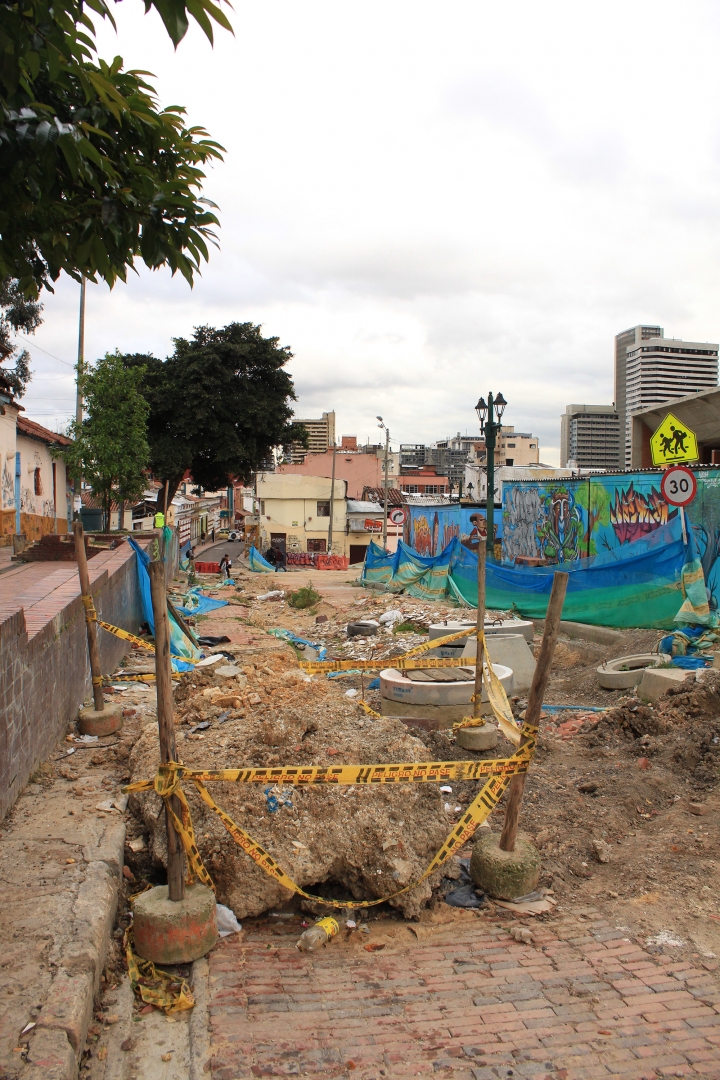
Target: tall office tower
column 321, row 436
column 627, row 340
column 651, row 369
column 590, row 436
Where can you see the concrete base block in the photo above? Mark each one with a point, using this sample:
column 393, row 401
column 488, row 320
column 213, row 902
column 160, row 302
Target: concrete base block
column 656, row 681
column 477, row 738
column 505, row 874
column 174, row 932
column 92, row 722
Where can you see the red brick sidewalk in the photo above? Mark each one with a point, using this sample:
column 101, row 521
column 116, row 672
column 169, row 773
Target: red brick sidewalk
column 462, row 1002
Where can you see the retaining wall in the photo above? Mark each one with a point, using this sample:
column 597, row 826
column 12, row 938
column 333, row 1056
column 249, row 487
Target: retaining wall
column 44, row 666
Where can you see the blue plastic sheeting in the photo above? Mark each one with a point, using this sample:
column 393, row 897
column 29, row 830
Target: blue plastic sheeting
column 691, row 663
column 287, row 635
column 196, row 603
column 179, row 644
column 257, row 563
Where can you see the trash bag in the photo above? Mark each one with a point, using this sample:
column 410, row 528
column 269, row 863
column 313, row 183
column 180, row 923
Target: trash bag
column 466, row 896
column 226, row 922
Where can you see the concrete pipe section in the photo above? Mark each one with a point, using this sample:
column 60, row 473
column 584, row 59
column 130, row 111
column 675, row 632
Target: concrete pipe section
column 626, row 671
column 502, row 626
column 436, row 697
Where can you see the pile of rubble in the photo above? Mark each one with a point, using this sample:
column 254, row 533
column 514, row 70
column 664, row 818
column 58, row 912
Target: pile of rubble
column 348, row 842
column 682, row 730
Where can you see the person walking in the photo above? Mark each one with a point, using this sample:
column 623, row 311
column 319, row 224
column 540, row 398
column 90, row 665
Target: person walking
column 225, row 566
column 280, row 560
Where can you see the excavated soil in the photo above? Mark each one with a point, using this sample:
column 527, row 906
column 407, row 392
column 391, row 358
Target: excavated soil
column 367, row 842
column 637, row 784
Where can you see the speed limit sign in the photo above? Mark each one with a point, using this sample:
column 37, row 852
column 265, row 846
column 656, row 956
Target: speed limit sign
column 678, row 486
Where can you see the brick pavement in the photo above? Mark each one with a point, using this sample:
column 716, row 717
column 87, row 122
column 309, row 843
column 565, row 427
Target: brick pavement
column 464, row 1002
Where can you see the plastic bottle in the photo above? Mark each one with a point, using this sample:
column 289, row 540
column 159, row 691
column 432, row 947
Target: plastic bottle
column 317, row 935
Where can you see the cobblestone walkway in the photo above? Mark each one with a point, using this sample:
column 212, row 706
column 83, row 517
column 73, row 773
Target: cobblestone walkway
column 462, row 1001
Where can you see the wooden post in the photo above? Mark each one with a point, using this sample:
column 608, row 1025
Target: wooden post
column 166, row 721
column 479, row 626
column 90, row 626
column 182, row 624
column 535, row 703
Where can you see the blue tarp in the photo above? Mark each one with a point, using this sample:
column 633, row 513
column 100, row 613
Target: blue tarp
column 179, row 644
column 257, row 563
column 196, row 603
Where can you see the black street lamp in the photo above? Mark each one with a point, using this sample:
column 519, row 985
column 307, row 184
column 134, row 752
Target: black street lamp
column 489, row 427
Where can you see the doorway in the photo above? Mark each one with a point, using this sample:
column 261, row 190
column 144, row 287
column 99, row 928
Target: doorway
column 357, row 553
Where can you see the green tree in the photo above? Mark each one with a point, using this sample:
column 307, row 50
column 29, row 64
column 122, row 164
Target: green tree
column 16, row 313
column 110, row 448
column 93, row 174
column 218, row 406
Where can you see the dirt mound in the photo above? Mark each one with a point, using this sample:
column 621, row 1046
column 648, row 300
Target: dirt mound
column 367, row 842
column 682, row 729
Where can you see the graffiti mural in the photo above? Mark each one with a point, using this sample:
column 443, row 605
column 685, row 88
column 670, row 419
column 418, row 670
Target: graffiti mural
column 429, row 529
column 584, row 516
column 560, row 530
column 8, row 489
column 633, row 514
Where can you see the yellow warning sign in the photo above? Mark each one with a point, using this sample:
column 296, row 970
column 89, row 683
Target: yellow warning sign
column 673, row 442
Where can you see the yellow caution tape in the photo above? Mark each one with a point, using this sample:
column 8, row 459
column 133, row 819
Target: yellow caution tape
column 405, row 661
column 140, row 642
column 156, row 987
column 498, row 702
column 500, row 772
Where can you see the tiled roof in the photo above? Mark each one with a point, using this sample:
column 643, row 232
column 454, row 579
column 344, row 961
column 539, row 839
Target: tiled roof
column 37, row 431
column 377, row 495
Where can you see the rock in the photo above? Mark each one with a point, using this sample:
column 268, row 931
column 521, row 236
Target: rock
column 321, row 618
column 602, row 851
column 699, row 809
column 521, row 933
column 587, row 787
column 228, row 671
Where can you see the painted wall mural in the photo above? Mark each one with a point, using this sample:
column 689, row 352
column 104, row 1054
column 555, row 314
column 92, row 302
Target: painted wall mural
column 8, row 489
column 429, row 529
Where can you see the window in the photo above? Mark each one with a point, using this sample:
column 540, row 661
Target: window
column 509, row 461
column 533, row 446
column 511, row 445
column 317, row 545
column 412, row 489
column 323, row 510
column 38, row 483
column 262, row 506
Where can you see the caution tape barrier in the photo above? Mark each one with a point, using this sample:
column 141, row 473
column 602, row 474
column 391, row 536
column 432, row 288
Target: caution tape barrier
column 406, row 660
column 171, row 993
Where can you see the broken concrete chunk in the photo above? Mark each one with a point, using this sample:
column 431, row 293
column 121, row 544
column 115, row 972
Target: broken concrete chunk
column 603, row 851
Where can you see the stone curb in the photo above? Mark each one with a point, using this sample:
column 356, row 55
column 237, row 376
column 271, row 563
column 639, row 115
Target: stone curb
column 200, row 1021
column 56, row 1044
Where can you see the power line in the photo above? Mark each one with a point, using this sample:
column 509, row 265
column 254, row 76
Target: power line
column 33, row 344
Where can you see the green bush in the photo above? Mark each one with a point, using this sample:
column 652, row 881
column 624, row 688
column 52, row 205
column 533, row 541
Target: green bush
column 408, row 628
column 303, row 598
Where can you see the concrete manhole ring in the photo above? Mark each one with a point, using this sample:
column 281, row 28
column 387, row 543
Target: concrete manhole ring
column 397, row 687
column 626, row 671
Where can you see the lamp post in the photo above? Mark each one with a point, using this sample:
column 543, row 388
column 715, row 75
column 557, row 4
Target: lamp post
column 385, row 480
column 489, row 427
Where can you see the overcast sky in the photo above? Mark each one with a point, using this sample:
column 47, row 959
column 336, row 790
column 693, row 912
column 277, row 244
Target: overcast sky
column 428, row 201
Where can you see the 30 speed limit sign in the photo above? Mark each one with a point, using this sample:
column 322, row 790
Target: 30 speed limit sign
column 678, row 486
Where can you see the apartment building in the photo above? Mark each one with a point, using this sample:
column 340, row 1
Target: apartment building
column 590, row 437
column 651, row 369
column 321, row 436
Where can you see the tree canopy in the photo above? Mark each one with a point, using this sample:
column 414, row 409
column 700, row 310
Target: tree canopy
column 110, row 448
column 218, row 405
column 93, row 173
column 16, row 313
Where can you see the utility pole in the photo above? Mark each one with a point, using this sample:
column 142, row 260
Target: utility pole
column 332, row 503
column 385, row 479
column 80, row 373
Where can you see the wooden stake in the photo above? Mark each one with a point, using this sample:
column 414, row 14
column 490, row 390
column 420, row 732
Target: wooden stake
column 182, row 624
column 479, row 626
column 535, row 703
column 166, row 721
column 90, row 626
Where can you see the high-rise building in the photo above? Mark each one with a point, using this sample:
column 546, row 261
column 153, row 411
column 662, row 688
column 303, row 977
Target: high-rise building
column 321, row 436
column 651, row 369
column 590, row 437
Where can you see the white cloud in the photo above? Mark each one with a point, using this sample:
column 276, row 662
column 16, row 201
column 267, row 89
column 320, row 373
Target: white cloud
column 429, row 202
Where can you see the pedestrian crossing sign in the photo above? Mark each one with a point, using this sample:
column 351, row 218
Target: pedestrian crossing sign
column 673, row 442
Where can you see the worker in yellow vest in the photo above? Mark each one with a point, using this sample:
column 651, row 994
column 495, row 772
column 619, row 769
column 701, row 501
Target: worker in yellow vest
column 159, row 520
